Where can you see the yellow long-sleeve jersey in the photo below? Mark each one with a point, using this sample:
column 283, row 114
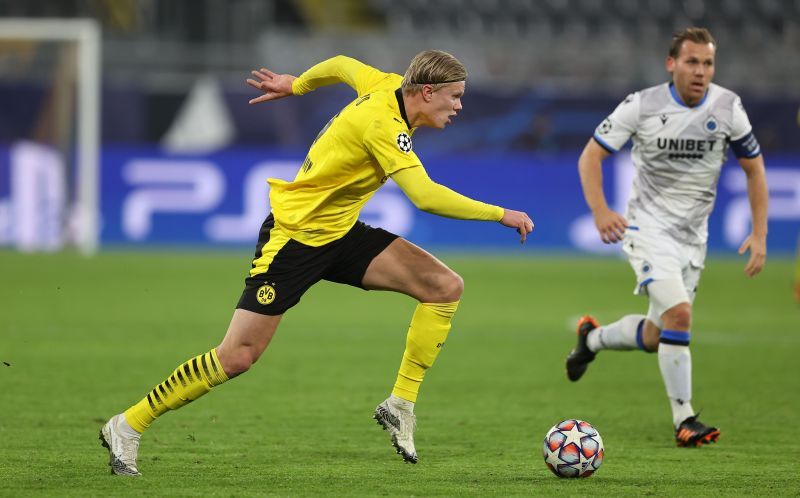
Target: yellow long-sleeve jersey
column 354, row 154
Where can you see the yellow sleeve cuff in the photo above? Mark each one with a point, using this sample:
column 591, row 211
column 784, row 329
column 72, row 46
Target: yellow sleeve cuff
column 299, row 88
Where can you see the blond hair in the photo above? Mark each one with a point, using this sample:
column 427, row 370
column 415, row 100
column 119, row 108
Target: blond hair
column 696, row 35
column 432, row 67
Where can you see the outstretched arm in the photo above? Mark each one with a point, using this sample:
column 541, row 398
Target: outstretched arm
column 610, row 224
column 434, row 198
column 340, row 69
column 758, row 193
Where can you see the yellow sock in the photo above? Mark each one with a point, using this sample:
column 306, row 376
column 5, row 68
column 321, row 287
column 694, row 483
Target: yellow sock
column 426, row 335
column 188, row 382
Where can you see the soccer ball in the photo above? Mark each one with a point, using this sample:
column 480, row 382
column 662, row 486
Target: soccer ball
column 573, row 448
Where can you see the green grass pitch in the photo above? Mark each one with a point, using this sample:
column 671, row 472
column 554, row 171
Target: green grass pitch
column 82, row 339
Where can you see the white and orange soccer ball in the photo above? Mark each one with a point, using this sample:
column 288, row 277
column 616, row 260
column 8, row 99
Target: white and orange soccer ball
column 573, row 448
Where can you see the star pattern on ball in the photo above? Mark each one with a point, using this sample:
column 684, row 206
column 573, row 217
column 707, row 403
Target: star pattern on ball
column 552, row 459
column 573, row 436
column 573, row 448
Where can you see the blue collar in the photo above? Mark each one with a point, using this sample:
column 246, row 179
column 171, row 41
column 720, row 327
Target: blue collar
column 680, row 102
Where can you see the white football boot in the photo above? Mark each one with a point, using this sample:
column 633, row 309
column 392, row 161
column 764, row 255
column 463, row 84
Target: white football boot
column 122, row 446
column 396, row 415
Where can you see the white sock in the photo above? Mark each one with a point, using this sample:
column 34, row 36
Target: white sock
column 680, row 411
column 675, row 362
column 620, row 335
column 401, row 403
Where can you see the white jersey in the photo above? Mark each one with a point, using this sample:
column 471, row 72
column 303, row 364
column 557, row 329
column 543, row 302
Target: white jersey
column 678, row 152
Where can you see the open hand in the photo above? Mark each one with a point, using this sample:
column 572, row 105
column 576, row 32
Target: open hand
column 275, row 86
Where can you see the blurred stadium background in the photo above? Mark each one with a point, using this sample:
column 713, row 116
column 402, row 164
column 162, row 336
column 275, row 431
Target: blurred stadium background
column 181, row 156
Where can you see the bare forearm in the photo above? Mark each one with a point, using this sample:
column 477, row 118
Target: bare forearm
column 610, row 225
column 758, row 194
column 591, row 173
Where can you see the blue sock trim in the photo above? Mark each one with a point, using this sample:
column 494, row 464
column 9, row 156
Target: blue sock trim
column 675, row 337
column 639, row 340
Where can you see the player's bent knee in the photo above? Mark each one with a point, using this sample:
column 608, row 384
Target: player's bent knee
column 456, row 288
column 237, row 363
column 449, row 288
column 678, row 317
column 669, row 300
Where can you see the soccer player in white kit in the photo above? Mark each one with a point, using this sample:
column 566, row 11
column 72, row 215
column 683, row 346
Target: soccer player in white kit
column 681, row 133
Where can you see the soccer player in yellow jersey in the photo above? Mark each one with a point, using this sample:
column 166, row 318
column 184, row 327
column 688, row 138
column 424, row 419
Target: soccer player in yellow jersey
column 313, row 234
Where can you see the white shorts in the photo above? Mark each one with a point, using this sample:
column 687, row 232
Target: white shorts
column 656, row 257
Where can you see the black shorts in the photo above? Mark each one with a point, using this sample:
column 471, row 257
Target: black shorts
column 287, row 268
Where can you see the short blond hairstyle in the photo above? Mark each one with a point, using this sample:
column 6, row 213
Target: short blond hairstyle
column 696, row 35
column 432, row 67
